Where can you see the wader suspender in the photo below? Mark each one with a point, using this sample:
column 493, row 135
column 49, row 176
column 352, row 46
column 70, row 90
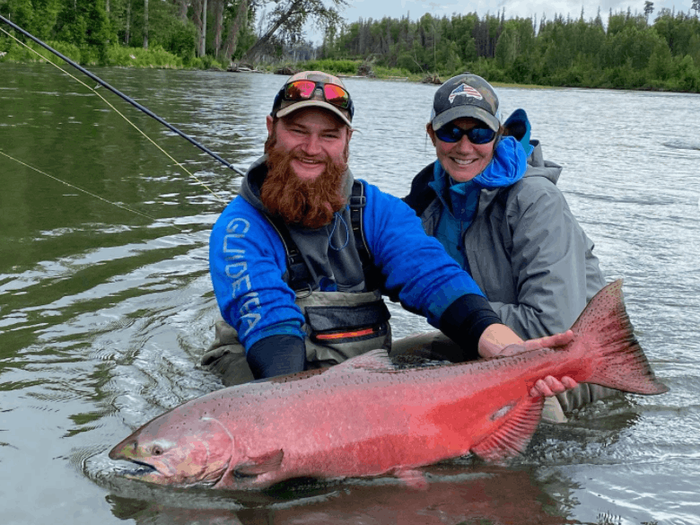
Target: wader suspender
column 299, row 277
column 374, row 280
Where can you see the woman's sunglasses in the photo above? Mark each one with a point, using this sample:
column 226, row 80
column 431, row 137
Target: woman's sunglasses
column 304, row 90
column 474, row 135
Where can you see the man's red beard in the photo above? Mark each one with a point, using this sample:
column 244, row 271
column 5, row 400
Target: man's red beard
column 310, row 203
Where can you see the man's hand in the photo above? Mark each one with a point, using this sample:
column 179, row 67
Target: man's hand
column 500, row 341
column 550, row 341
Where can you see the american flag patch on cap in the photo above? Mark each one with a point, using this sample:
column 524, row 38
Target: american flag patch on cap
column 467, row 91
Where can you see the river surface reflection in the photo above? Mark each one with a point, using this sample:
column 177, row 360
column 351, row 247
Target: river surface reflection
column 104, row 312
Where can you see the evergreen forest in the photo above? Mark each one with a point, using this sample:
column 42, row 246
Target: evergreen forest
column 632, row 49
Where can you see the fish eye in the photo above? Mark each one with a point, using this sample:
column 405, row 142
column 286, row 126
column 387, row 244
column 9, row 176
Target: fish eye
column 157, row 450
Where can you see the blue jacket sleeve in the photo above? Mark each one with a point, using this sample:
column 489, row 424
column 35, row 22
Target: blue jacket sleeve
column 417, row 267
column 246, row 264
column 277, row 355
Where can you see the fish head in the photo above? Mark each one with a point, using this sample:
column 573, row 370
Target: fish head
column 178, row 451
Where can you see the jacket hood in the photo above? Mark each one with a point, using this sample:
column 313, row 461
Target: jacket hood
column 507, row 166
column 252, row 182
column 537, row 166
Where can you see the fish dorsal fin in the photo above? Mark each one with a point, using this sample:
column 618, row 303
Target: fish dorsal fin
column 290, row 378
column 260, row 464
column 372, row 360
column 512, row 436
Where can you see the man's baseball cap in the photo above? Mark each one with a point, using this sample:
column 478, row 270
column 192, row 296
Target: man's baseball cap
column 314, row 89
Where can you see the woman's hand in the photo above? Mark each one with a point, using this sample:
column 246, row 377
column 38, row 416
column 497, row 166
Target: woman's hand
column 551, row 386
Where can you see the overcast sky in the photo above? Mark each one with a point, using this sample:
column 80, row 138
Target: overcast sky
column 377, row 9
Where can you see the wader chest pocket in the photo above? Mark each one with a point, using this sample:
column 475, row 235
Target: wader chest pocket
column 335, row 324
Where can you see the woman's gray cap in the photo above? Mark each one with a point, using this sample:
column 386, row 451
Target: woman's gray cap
column 464, row 96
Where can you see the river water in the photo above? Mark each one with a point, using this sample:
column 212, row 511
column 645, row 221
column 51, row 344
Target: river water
column 105, row 309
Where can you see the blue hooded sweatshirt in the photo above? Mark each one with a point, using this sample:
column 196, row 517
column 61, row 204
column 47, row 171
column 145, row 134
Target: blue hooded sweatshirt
column 247, row 262
column 461, row 199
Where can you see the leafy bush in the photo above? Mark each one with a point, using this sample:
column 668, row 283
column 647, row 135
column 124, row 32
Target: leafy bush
column 196, row 63
column 484, row 68
column 139, row 57
column 209, row 62
column 342, row 67
column 407, row 61
column 396, row 73
column 687, row 76
column 183, row 41
column 20, row 53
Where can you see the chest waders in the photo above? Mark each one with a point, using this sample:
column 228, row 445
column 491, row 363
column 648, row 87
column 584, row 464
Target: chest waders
column 338, row 325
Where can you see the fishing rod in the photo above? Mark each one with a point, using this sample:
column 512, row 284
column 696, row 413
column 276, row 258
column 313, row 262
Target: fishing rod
column 121, row 95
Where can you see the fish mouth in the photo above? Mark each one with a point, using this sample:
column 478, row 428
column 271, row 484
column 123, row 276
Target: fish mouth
column 140, row 469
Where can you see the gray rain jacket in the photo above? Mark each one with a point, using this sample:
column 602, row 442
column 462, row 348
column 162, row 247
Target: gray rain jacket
column 525, row 249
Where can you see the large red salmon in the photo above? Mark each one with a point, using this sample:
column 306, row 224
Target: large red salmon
column 365, row 417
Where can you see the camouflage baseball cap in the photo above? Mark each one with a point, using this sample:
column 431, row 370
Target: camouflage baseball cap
column 465, row 95
column 314, row 89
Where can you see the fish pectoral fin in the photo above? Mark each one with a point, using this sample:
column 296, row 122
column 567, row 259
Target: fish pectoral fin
column 511, row 437
column 412, row 478
column 259, row 464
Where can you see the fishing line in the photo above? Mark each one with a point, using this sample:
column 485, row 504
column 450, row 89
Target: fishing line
column 115, row 110
column 124, row 97
column 115, row 91
column 85, row 191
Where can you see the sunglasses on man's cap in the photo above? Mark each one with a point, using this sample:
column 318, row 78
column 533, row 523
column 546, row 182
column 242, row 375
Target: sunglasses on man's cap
column 305, row 91
column 298, row 90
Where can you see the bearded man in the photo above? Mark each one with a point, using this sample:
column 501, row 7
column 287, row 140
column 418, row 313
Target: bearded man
column 301, row 258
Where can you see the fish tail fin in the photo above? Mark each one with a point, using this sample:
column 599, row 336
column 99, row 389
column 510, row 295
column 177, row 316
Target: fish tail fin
column 608, row 338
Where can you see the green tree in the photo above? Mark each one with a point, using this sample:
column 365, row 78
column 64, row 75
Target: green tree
column 289, row 16
column 448, row 58
column 239, row 30
column 694, row 49
column 686, row 76
column 660, row 63
column 145, row 24
column 84, row 23
column 506, row 48
column 678, row 30
column 631, row 46
column 36, row 16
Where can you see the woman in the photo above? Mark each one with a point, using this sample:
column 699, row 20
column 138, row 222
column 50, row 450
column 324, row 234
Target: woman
column 491, row 200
